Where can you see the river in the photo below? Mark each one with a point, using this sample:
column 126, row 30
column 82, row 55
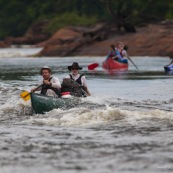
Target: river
column 125, row 126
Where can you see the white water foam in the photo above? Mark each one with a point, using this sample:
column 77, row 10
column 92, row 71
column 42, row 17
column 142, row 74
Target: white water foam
column 88, row 117
column 18, row 52
column 14, row 106
column 93, row 111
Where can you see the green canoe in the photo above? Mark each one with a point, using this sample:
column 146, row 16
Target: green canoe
column 41, row 103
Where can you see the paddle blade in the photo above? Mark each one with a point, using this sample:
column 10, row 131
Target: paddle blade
column 93, row 66
column 25, row 95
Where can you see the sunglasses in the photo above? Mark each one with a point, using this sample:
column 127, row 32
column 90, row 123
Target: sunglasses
column 74, row 68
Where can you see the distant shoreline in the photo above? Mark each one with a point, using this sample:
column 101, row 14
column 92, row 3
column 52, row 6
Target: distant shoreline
column 151, row 40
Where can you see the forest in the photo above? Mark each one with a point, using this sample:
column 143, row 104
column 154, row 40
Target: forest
column 18, row 15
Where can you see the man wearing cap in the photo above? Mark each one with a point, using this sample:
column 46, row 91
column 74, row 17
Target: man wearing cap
column 51, row 85
column 79, row 78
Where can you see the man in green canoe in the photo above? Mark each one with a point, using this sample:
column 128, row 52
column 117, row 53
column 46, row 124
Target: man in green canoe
column 50, row 86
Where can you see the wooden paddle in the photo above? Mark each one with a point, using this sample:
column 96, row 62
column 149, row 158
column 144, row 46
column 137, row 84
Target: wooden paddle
column 25, row 95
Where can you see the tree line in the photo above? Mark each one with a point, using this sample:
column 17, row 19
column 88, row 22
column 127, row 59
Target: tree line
column 18, row 15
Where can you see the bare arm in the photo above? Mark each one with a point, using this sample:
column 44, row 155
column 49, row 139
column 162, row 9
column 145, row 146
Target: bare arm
column 85, row 86
column 87, row 91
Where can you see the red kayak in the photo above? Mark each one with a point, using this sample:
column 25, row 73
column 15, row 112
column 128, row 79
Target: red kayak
column 111, row 64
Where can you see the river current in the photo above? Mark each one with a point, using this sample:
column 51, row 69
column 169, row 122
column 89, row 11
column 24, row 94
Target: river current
column 125, row 126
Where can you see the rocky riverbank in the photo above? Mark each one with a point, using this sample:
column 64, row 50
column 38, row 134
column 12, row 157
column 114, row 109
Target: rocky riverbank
column 149, row 40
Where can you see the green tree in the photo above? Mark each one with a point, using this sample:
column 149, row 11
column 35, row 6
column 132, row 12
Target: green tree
column 17, row 16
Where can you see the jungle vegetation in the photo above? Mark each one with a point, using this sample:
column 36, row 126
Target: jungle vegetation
column 17, row 16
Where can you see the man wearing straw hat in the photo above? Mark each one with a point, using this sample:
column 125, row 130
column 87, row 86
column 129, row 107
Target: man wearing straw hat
column 51, row 85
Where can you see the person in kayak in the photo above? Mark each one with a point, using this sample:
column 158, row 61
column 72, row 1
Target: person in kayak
column 117, row 52
column 121, row 50
column 50, row 85
column 112, row 53
column 76, row 76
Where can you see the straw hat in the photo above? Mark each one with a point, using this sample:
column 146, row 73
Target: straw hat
column 45, row 67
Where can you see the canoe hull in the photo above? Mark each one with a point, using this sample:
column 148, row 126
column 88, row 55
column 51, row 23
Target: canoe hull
column 111, row 64
column 42, row 104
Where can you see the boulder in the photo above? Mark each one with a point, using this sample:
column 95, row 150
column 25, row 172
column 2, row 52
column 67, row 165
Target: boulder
column 67, row 41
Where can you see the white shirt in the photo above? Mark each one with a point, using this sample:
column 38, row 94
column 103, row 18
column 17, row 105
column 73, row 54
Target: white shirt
column 75, row 77
column 124, row 53
column 55, row 82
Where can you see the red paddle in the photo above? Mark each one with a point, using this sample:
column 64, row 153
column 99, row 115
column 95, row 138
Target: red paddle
column 93, row 66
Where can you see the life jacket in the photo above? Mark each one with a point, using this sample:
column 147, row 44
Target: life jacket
column 120, row 55
column 46, row 87
column 113, row 53
column 79, row 81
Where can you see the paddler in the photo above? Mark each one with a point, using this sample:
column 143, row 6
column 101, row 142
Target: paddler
column 121, row 50
column 112, row 53
column 50, row 85
column 117, row 52
column 79, row 78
